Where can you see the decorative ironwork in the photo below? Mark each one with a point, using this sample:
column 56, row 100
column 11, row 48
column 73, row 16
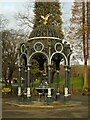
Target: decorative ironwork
column 45, row 18
column 58, row 47
column 38, row 46
column 45, row 46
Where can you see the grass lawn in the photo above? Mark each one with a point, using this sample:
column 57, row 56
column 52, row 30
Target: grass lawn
column 76, row 84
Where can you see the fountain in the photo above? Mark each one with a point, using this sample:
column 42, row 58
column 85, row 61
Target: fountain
column 43, row 89
column 44, row 45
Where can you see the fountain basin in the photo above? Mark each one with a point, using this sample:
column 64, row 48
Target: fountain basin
column 43, row 90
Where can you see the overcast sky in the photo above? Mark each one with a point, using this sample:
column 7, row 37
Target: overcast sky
column 11, row 7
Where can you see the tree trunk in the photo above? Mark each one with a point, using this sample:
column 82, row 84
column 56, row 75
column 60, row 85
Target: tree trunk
column 85, row 43
column 85, row 75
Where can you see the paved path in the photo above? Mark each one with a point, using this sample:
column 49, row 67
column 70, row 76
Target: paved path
column 78, row 108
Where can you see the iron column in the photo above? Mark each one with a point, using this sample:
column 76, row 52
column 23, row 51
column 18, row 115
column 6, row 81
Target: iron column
column 19, row 87
column 28, row 82
column 66, row 83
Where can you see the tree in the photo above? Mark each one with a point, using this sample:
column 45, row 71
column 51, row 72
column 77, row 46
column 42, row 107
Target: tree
column 77, row 34
column 52, row 8
column 25, row 20
column 3, row 22
column 10, row 41
column 9, row 55
column 85, row 41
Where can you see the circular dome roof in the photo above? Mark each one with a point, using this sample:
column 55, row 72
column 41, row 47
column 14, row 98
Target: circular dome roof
column 45, row 31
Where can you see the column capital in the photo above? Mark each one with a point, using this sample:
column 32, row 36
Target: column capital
column 29, row 65
column 57, row 71
column 67, row 66
column 49, row 65
column 41, row 71
column 19, row 66
column 25, row 69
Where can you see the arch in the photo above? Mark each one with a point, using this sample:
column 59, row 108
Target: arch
column 23, row 48
column 69, row 58
column 66, row 61
column 38, row 53
column 23, row 56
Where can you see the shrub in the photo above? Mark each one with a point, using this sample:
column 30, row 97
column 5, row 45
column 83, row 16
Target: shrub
column 6, row 90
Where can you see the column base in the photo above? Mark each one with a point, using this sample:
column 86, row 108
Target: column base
column 67, row 98
column 49, row 100
column 57, row 96
column 19, row 98
column 28, row 100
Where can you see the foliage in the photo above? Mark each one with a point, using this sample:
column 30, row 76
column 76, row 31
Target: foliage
column 36, row 83
column 14, row 89
column 35, row 69
column 53, row 8
column 76, row 82
column 6, row 90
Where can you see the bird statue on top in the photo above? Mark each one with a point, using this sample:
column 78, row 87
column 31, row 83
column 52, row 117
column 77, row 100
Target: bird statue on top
column 45, row 18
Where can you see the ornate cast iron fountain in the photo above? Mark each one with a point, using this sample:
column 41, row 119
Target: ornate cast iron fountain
column 45, row 46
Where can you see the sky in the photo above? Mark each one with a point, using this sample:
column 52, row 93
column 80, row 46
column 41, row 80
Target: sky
column 11, row 7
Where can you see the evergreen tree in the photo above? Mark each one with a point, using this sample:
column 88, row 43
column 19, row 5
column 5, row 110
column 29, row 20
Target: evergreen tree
column 52, row 8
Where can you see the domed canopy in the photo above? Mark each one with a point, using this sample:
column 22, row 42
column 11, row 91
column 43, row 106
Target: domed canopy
column 45, row 31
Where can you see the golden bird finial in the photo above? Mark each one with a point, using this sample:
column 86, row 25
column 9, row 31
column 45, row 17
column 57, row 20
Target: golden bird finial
column 45, row 18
